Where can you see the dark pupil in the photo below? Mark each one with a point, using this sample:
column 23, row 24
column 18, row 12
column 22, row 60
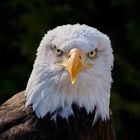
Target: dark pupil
column 91, row 53
column 69, row 56
column 58, row 50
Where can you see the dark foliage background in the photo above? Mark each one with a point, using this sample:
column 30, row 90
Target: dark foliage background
column 24, row 22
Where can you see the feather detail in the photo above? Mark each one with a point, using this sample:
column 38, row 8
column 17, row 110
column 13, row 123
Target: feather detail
column 49, row 87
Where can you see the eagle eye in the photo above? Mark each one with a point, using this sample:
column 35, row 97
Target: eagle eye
column 92, row 53
column 57, row 51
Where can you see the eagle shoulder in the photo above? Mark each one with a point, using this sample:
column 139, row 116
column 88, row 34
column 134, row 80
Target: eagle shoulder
column 16, row 121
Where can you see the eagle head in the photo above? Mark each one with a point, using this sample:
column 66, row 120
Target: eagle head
column 73, row 66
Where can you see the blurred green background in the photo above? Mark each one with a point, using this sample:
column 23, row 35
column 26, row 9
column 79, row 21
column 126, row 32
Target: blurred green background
column 23, row 24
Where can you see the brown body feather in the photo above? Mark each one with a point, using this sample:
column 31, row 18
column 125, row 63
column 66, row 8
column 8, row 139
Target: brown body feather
column 20, row 123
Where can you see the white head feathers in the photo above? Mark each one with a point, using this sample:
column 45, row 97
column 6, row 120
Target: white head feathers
column 49, row 88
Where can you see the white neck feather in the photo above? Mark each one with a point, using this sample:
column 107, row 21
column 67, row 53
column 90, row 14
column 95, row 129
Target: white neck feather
column 48, row 91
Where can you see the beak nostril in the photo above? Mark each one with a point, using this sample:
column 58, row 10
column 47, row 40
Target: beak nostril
column 69, row 56
column 80, row 57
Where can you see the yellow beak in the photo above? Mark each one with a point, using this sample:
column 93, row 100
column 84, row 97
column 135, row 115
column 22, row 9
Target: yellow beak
column 75, row 63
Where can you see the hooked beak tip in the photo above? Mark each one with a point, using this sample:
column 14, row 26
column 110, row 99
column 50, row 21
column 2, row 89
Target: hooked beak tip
column 73, row 81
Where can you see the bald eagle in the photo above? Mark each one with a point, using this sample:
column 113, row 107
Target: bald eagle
column 68, row 93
